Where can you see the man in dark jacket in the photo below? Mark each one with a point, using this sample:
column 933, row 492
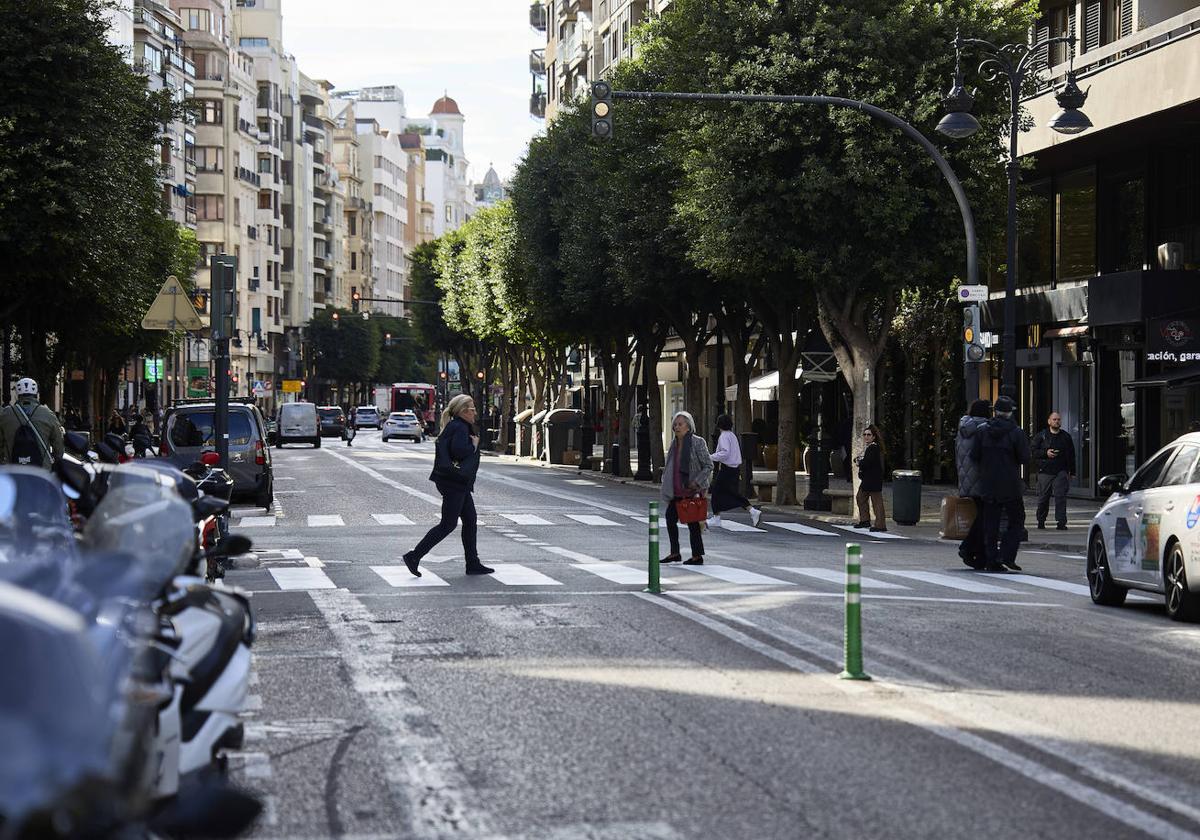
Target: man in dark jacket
column 1000, row 449
column 1054, row 453
column 971, row 549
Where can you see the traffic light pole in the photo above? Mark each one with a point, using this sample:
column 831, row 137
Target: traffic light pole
column 222, row 292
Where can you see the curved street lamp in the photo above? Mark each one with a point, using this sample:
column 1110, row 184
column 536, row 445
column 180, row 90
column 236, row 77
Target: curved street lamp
column 1013, row 62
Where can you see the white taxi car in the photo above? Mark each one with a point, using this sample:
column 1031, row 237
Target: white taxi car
column 1147, row 535
column 403, row 424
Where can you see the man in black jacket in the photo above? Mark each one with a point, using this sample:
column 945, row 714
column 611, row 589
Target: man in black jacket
column 1000, row 448
column 1054, row 452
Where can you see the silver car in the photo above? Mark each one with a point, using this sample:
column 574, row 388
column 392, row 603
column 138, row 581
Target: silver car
column 403, row 424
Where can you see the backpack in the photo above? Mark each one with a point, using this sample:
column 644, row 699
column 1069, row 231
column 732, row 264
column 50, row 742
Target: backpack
column 26, row 448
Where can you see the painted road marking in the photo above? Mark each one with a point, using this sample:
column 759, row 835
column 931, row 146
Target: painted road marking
column 730, row 525
column 593, row 519
column 570, row 555
column 616, row 572
column 301, row 577
column 391, row 519
column 400, row 576
column 525, row 519
column 325, row 520
column 514, row 574
column 644, row 519
column 867, row 535
column 1050, row 583
column 839, row 577
column 256, row 522
column 730, row 574
column 582, row 482
column 962, row 581
column 801, row 529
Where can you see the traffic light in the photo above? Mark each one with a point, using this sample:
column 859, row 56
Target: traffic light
column 972, row 344
column 223, row 295
column 387, row 339
column 355, row 299
column 335, row 318
column 479, row 375
column 442, row 374
column 602, row 126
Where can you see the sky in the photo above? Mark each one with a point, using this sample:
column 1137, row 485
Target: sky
column 475, row 50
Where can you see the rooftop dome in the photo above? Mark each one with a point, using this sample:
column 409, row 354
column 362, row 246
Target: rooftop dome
column 446, row 105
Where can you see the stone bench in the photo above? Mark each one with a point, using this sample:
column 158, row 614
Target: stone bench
column 764, row 488
column 840, row 500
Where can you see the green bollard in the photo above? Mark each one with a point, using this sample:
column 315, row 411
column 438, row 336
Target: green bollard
column 655, row 585
column 854, row 659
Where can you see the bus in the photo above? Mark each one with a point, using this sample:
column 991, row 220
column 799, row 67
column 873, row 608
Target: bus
column 417, row 397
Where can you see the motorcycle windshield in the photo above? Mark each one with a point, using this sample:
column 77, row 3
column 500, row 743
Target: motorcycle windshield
column 37, row 543
column 142, row 515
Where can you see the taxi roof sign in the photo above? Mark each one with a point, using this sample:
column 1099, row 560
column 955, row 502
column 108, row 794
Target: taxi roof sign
column 172, row 309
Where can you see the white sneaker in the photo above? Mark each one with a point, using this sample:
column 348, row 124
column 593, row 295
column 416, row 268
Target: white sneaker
column 755, row 516
column 713, row 522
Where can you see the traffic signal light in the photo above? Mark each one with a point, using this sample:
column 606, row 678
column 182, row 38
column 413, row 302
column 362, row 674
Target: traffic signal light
column 442, row 374
column 602, row 125
column 972, row 342
column 479, row 375
column 387, row 339
column 223, row 295
column 355, row 299
column 335, row 318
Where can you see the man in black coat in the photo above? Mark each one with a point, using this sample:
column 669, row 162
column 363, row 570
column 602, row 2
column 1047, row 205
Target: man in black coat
column 1001, row 448
column 1054, row 453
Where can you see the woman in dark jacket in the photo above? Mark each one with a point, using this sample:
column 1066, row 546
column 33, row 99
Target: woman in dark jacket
column 456, row 460
column 870, row 481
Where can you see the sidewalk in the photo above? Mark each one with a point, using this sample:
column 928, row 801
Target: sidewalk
column 1073, row 540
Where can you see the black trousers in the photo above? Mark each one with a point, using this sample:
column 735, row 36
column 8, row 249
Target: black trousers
column 1003, row 548
column 456, row 505
column 972, row 546
column 724, row 494
column 694, row 536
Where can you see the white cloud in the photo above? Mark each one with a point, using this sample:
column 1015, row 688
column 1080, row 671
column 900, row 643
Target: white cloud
column 474, row 50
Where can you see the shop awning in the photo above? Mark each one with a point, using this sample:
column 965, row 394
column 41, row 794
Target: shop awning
column 764, row 388
column 1173, row 378
column 1067, row 332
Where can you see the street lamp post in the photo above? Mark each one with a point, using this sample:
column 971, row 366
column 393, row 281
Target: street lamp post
column 1014, row 63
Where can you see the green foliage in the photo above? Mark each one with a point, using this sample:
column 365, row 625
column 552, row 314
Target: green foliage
column 403, row 359
column 347, row 350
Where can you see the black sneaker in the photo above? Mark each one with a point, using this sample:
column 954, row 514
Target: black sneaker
column 1062, row 527
column 412, row 562
column 993, row 567
column 1011, row 565
column 479, row 569
column 694, row 561
column 860, row 524
column 1041, row 526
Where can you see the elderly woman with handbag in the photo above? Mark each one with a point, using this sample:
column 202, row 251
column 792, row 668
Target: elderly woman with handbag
column 685, row 479
column 455, row 463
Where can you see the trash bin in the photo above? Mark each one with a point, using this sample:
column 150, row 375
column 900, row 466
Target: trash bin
column 564, row 435
column 524, row 432
column 537, row 435
column 906, row 497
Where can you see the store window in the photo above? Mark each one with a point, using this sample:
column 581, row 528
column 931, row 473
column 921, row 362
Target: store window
column 1075, row 225
column 1123, row 221
column 1035, row 235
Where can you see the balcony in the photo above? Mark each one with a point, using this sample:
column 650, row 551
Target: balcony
column 319, row 296
column 537, row 104
column 190, row 215
column 537, row 16
column 190, row 167
column 1152, row 70
column 248, row 176
column 166, row 172
column 249, row 128
column 537, row 62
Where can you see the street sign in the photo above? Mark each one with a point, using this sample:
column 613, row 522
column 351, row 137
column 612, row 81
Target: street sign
column 172, row 309
column 972, row 294
column 291, row 386
column 153, row 370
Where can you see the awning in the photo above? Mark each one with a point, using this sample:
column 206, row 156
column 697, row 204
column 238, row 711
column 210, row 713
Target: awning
column 764, row 388
column 1174, row 378
column 1067, row 332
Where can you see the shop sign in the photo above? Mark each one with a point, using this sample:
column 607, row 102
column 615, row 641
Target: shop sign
column 153, row 370
column 1173, row 340
column 291, row 386
column 1033, row 357
column 197, row 382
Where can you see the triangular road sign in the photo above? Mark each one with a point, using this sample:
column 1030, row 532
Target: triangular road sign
column 172, row 309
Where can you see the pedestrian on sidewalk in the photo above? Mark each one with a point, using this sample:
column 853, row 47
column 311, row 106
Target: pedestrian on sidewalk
column 686, row 474
column 455, row 463
column 349, row 428
column 1000, row 449
column 1054, row 454
column 870, row 481
column 971, row 549
column 727, row 458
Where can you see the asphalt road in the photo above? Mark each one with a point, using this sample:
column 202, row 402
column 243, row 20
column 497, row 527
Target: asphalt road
column 556, row 700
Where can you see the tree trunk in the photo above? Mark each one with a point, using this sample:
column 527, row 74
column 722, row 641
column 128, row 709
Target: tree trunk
column 624, row 414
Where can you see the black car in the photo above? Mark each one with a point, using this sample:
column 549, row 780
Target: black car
column 188, row 432
column 333, row 420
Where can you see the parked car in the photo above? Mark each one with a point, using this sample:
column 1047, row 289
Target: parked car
column 298, row 423
column 367, row 416
column 333, row 420
column 1147, row 535
column 188, row 431
column 403, row 424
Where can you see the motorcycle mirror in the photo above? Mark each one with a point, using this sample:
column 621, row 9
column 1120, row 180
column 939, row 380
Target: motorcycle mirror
column 237, row 544
column 74, row 475
column 206, row 506
column 210, row 459
column 76, row 443
column 107, row 454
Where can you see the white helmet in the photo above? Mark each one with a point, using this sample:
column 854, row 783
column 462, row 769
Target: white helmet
column 26, row 387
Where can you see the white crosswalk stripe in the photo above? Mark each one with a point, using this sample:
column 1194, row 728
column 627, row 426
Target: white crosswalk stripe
column 301, row 577
column 514, row 574
column 616, row 572
column 593, row 519
column 868, row 535
column 391, row 519
column 797, row 528
column 400, row 577
column 839, row 577
column 1050, row 583
column 256, row 522
column 964, row 581
column 325, row 520
column 525, row 519
column 732, row 574
column 738, row 527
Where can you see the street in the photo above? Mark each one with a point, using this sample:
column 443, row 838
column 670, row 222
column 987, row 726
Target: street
column 555, row 699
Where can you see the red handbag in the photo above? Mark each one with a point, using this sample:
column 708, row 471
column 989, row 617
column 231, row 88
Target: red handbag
column 692, row 510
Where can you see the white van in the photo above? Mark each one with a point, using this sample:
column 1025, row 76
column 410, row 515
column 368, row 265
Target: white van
column 297, row 422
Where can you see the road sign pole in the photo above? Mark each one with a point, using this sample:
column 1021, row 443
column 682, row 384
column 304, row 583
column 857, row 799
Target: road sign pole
column 222, row 280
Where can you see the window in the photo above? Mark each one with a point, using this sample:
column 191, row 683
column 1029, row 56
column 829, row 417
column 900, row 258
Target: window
column 1035, row 235
column 253, row 42
column 210, row 158
column 352, row 224
column 195, row 428
column 1180, row 469
column 449, row 213
column 1123, row 221
column 1075, row 225
column 1147, row 476
column 210, row 208
column 211, row 111
column 264, row 200
column 353, row 261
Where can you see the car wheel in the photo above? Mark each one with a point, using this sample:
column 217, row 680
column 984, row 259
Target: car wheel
column 385, row 438
column 264, row 500
column 1104, row 590
column 317, row 443
column 1182, row 605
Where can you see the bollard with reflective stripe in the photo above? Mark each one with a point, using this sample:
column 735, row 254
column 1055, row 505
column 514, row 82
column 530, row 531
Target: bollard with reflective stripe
column 655, row 585
column 854, row 658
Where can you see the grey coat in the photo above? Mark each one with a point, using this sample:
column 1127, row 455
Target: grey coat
column 699, row 470
column 969, row 476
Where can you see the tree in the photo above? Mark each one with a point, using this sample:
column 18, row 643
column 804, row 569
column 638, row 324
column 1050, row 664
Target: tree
column 347, row 349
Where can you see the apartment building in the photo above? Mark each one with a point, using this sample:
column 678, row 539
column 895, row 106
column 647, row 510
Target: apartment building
column 420, row 210
column 1108, row 310
column 385, row 182
column 357, row 248
column 447, row 184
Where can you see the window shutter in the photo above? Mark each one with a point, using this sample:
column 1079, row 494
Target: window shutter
column 1126, row 17
column 1091, row 25
column 1042, row 59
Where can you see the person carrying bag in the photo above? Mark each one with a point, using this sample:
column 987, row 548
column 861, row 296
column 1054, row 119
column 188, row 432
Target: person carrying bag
column 686, row 476
column 30, row 433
